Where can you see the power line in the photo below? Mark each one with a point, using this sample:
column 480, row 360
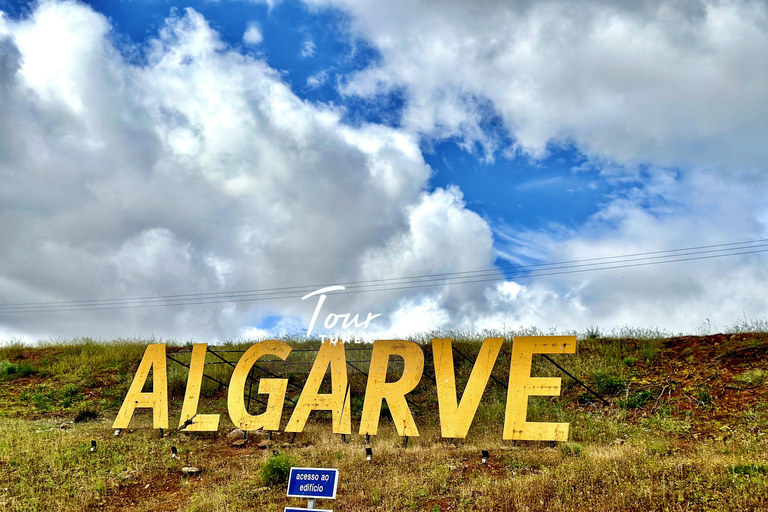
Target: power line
column 403, row 283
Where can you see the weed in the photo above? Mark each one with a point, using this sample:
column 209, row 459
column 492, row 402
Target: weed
column 662, row 423
column 570, row 449
column 648, row 348
column 750, row 469
column 703, row 397
column 636, row 400
column 753, row 377
column 276, row 470
column 606, row 382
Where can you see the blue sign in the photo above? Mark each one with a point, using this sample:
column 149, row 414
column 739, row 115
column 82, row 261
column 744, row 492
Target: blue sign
column 313, row 483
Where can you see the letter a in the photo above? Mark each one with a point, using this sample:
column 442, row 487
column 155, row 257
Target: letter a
column 157, row 400
column 337, row 401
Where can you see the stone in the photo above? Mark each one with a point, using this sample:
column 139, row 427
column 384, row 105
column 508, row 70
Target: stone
column 190, row 470
column 63, row 426
column 264, row 444
column 235, row 434
column 240, row 443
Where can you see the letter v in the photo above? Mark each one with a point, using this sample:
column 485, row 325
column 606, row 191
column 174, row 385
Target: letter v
column 455, row 419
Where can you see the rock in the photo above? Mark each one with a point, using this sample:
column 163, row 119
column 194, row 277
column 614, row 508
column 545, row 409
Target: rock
column 63, row 426
column 286, row 445
column 240, row 443
column 235, row 435
column 264, row 444
column 619, row 441
column 190, row 470
column 182, row 438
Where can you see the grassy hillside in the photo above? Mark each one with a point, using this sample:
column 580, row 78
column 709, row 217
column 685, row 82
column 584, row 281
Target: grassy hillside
column 684, row 430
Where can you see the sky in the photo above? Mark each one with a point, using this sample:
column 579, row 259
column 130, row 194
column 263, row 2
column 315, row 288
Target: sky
column 191, row 170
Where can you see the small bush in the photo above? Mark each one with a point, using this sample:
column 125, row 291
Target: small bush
column 87, row 413
column 570, row 449
column 636, row 400
column 11, row 370
column 276, row 470
column 42, row 401
column 607, row 382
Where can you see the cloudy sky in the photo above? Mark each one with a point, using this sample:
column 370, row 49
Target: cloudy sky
column 190, row 170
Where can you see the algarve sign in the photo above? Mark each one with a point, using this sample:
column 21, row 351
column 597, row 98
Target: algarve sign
column 456, row 415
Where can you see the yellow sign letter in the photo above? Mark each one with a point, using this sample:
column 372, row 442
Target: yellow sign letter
column 522, row 385
column 157, row 400
column 275, row 388
column 191, row 421
column 455, row 419
column 379, row 389
column 337, row 401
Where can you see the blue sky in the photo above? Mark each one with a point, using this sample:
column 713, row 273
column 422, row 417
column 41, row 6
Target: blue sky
column 201, row 148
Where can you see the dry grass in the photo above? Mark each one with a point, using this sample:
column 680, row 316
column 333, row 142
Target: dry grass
column 47, row 468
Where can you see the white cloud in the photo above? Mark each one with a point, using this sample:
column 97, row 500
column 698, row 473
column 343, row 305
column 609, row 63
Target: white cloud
column 670, row 83
column 197, row 172
column 308, row 50
column 665, row 98
column 253, row 35
column 317, row 79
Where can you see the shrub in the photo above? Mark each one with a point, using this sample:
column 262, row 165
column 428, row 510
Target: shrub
column 636, row 400
column 11, row 370
column 87, row 413
column 607, row 382
column 276, row 470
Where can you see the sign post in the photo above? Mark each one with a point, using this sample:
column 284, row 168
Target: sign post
column 313, row 484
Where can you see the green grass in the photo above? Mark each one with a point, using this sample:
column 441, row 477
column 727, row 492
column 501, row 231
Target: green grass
column 644, row 451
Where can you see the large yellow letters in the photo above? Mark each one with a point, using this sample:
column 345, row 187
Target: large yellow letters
column 522, row 385
column 337, row 401
column 190, row 420
column 379, row 389
column 275, row 388
column 455, row 419
column 455, row 415
column 157, row 400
